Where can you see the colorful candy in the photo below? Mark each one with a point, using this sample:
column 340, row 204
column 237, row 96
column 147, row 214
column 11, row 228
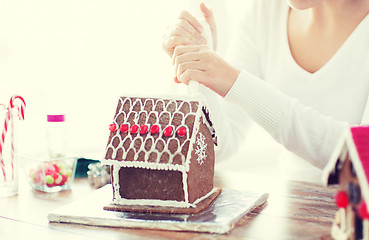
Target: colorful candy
column 134, row 129
column 112, row 127
column 124, row 128
column 341, row 199
column 363, row 211
column 168, row 131
column 143, row 129
column 154, row 129
column 181, row 131
column 51, row 174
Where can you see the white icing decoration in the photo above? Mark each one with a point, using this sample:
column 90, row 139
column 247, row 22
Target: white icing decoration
column 116, row 182
column 201, row 148
column 147, row 165
column 184, row 167
column 161, row 203
column 135, row 117
column 151, row 202
column 185, row 185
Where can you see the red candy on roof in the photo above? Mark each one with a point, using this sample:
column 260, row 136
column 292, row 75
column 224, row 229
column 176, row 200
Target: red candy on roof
column 124, row 128
column 143, row 129
column 134, row 129
column 154, row 129
column 112, row 127
column 168, row 131
column 181, row 131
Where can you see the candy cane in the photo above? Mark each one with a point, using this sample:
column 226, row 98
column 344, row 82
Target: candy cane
column 2, row 140
column 12, row 141
column 21, row 108
column 8, row 119
column 21, row 117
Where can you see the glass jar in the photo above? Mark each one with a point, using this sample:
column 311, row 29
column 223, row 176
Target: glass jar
column 56, row 131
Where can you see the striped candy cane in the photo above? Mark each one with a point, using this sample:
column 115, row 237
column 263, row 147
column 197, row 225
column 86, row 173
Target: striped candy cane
column 2, row 140
column 21, row 108
column 20, row 111
column 9, row 118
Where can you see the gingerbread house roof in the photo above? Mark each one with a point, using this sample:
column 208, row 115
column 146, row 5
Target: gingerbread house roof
column 354, row 144
column 155, row 133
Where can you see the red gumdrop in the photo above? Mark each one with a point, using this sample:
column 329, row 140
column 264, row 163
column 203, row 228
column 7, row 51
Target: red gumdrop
column 363, row 211
column 143, row 129
column 341, row 199
column 124, row 128
column 168, row 131
column 154, row 129
column 181, row 131
column 134, row 128
column 112, row 127
column 54, row 175
column 64, row 179
column 57, row 169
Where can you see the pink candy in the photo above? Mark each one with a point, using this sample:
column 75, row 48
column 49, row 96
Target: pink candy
column 49, row 174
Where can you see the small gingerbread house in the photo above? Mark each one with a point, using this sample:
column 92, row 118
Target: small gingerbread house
column 161, row 153
column 349, row 167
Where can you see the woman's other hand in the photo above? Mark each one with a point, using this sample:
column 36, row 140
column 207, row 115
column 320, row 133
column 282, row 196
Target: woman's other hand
column 188, row 30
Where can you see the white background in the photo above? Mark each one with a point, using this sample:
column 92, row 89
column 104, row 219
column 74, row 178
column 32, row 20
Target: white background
column 78, row 56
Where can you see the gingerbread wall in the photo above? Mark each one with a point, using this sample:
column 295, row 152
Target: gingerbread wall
column 201, row 173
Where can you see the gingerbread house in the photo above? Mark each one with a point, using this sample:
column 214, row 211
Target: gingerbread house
column 349, row 167
column 161, row 153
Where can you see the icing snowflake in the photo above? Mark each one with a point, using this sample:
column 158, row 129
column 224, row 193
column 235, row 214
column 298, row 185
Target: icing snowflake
column 200, row 150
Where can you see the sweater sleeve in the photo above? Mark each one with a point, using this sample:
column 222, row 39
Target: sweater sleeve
column 300, row 129
column 231, row 123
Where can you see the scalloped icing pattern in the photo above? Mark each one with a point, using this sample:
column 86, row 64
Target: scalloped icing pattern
column 132, row 139
column 184, row 168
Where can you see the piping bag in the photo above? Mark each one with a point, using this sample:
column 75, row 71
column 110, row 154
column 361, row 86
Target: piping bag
column 194, row 87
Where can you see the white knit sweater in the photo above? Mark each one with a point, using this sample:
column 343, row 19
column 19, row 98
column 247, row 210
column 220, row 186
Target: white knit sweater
column 305, row 112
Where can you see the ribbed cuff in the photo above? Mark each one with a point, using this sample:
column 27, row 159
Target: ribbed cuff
column 263, row 103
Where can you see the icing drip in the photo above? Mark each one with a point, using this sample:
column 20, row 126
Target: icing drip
column 185, row 185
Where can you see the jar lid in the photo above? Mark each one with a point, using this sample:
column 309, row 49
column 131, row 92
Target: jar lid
column 55, row 118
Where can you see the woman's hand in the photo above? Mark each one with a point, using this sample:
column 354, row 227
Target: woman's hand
column 201, row 64
column 187, row 30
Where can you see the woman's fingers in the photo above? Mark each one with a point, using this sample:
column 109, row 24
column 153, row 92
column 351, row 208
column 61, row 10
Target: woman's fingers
column 186, row 31
column 183, row 29
column 185, row 25
column 170, row 43
column 191, row 20
column 183, row 67
column 191, row 75
column 192, row 56
column 180, row 50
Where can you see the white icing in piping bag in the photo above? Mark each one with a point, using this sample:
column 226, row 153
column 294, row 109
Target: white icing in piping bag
column 206, row 33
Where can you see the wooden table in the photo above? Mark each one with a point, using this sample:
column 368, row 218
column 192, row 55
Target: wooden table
column 294, row 210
